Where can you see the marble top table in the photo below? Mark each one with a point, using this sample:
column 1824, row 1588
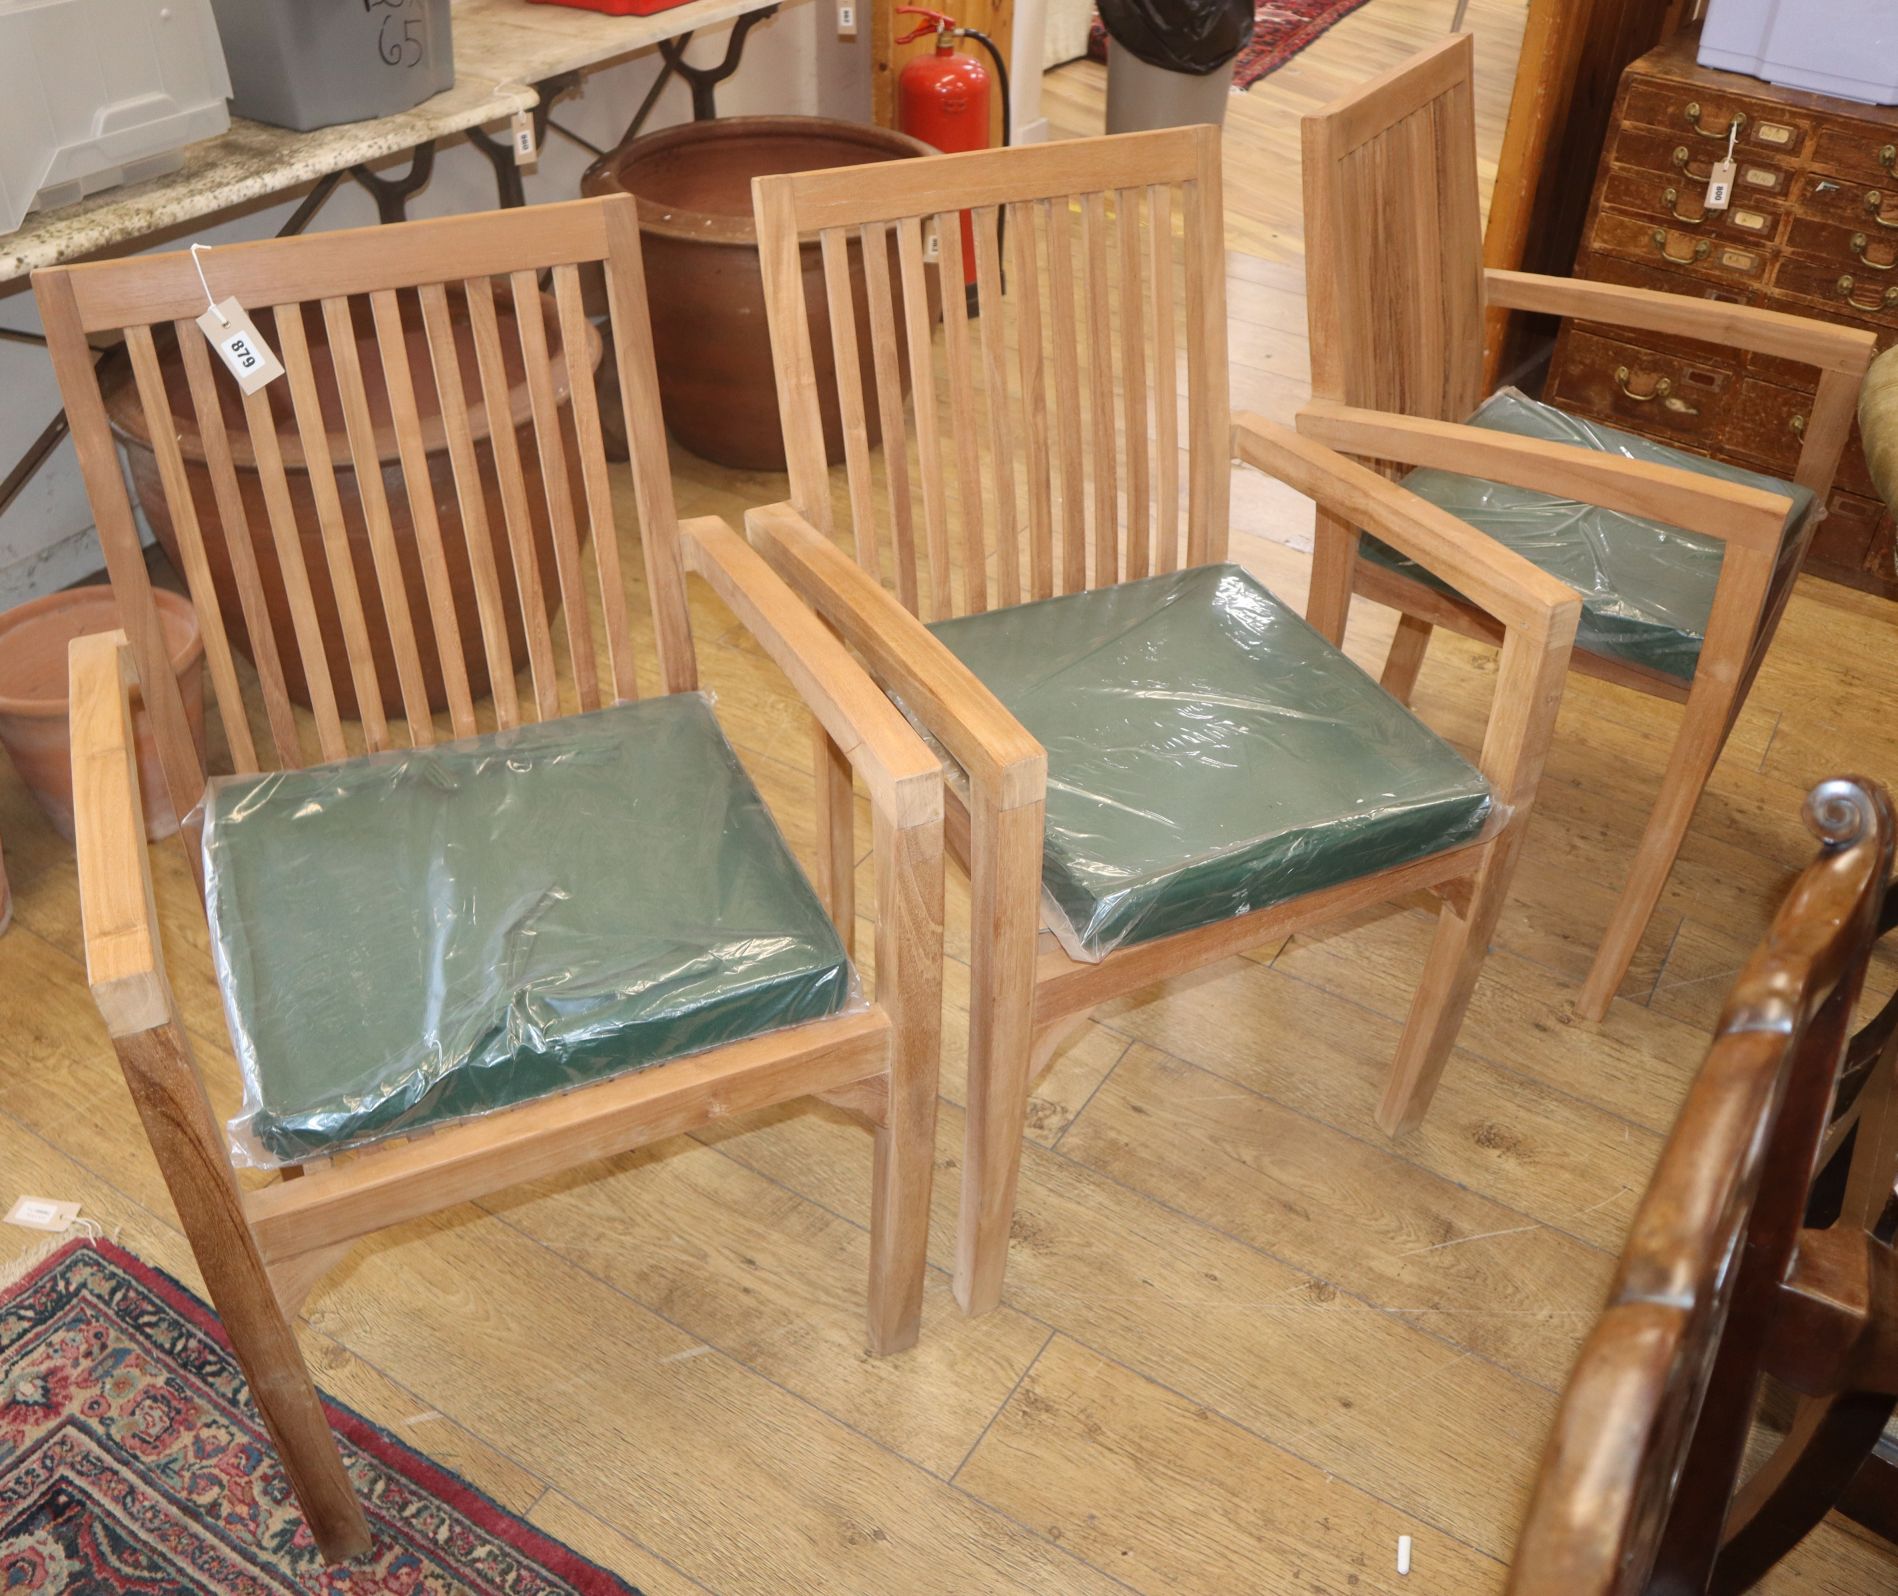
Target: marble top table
column 502, row 48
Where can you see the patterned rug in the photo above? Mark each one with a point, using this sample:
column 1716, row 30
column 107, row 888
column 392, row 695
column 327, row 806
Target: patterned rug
column 1280, row 29
column 132, row 1461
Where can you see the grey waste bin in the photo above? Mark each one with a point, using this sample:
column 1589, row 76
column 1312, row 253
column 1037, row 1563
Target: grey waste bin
column 308, row 63
column 1142, row 96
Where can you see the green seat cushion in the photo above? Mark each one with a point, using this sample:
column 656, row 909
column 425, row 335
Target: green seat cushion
column 421, row 936
column 1208, row 754
column 1646, row 587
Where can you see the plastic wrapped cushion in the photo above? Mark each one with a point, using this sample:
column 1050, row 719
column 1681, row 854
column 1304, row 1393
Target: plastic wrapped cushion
column 1646, row 587
column 1208, row 754
column 421, row 936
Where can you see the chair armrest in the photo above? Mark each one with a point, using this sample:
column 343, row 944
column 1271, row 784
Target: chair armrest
column 1878, row 425
column 903, row 776
column 1002, row 760
column 1494, row 578
column 125, row 962
column 1749, row 517
column 1768, row 332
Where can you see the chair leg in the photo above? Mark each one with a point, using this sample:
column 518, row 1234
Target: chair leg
column 1443, row 992
column 185, row 1138
column 1696, row 751
column 909, row 986
column 1005, row 888
column 1406, row 657
column 836, row 824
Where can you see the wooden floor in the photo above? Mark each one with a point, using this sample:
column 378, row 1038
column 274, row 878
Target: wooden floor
column 1247, row 1341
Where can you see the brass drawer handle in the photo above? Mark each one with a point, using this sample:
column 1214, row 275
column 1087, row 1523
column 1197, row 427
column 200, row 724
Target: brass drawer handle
column 1671, row 200
column 1875, row 204
column 1693, row 116
column 1683, row 158
column 1889, row 298
column 1798, row 424
column 1888, row 157
column 1699, row 251
column 1663, row 386
column 1860, row 243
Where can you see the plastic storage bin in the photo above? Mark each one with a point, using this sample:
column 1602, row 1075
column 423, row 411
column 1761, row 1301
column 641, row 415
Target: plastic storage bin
column 1843, row 47
column 99, row 92
column 308, row 63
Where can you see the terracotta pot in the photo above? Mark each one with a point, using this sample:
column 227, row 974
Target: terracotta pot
column 33, row 696
column 710, row 338
column 129, row 423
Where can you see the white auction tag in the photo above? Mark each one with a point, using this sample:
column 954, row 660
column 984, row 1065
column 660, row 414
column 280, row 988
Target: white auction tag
column 42, row 1213
column 846, row 19
column 239, row 345
column 1720, row 180
column 526, row 152
column 932, row 246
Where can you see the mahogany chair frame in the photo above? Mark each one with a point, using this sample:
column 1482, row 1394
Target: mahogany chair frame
column 1397, row 296
column 1026, row 993
column 1763, row 1247
column 262, row 1249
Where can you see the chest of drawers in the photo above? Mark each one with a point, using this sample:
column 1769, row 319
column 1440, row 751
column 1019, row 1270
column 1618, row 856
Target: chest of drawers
column 1812, row 229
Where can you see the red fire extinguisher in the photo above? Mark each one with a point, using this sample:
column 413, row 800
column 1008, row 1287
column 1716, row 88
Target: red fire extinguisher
column 943, row 99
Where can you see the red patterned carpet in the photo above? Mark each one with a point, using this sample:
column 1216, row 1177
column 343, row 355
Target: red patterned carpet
column 1280, row 29
column 131, row 1461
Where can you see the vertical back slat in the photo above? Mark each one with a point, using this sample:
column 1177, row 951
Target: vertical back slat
column 834, row 244
column 955, row 318
column 875, row 241
column 491, row 365
column 366, row 458
column 424, row 524
column 284, row 532
column 1166, row 376
column 471, row 495
column 1064, row 336
column 1133, row 369
column 313, row 433
column 237, row 543
column 555, row 487
column 184, row 524
column 922, row 384
column 988, row 284
column 1100, row 385
column 1034, row 398
column 575, row 335
column 1211, row 440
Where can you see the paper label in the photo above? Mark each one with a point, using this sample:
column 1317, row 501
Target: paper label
column 239, row 345
column 522, row 128
column 43, row 1213
column 932, row 246
column 1720, row 184
column 847, row 20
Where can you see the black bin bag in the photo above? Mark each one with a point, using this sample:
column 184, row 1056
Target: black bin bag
column 1192, row 36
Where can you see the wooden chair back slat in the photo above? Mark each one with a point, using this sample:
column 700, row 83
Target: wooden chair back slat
column 288, row 541
column 1025, row 254
column 1133, row 367
column 556, row 487
column 1166, row 371
column 365, row 455
column 234, row 524
column 471, row 500
column 197, row 572
column 988, row 285
column 424, row 524
column 281, row 499
column 313, row 434
column 583, row 405
column 490, row 364
column 1046, row 444
column 877, row 240
column 1394, row 240
column 1731, row 1273
column 1065, row 335
column 835, row 247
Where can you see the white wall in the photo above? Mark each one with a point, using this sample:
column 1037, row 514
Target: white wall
column 793, row 62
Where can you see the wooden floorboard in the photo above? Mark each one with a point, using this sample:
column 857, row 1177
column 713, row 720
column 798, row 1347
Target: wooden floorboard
column 1246, row 1341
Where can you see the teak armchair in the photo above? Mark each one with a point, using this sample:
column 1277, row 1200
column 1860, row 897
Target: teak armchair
column 1396, row 297
column 1058, row 535
column 429, row 291
column 1763, row 1247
